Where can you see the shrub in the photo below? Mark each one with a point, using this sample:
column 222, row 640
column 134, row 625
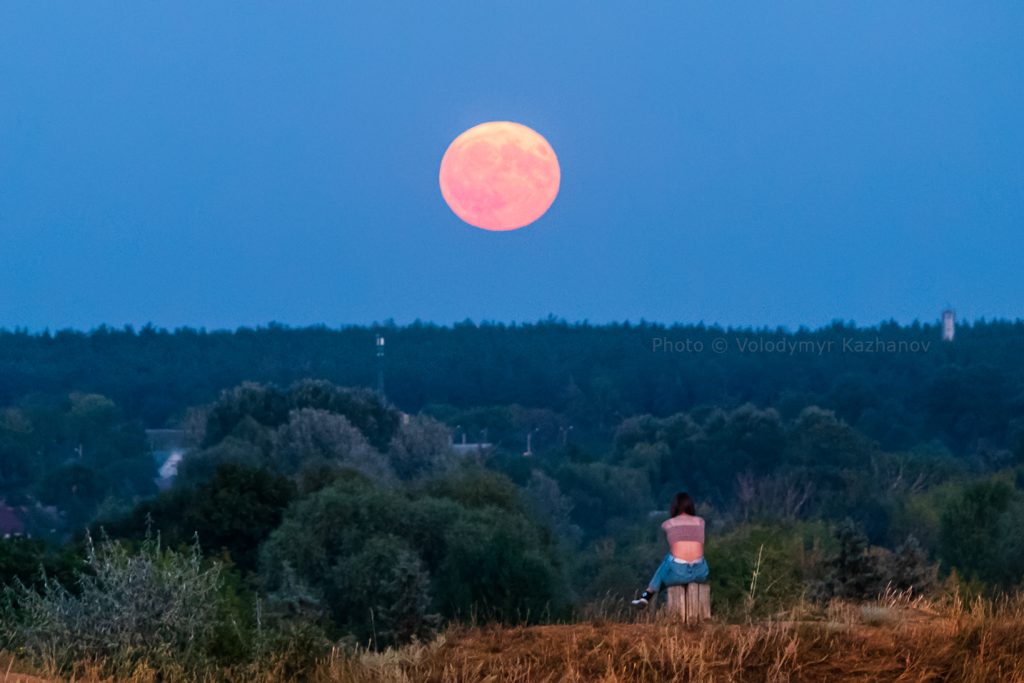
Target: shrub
column 787, row 557
column 908, row 568
column 154, row 607
column 853, row 571
column 383, row 593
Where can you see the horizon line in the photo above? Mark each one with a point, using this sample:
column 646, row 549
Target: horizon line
column 551, row 320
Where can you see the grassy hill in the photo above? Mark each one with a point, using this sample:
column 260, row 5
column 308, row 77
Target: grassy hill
column 894, row 639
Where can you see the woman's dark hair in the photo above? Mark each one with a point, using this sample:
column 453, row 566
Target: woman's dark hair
column 682, row 503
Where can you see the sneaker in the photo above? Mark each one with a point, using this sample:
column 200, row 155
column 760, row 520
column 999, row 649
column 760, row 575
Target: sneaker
column 643, row 600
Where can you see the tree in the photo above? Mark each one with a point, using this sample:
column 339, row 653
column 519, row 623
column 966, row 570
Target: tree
column 969, row 532
column 363, row 408
column 73, row 452
column 497, row 566
column 266, row 405
column 17, row 466
column 382, row 593
column 853, row 572
column 601, row 492
column 908, row 568
column 819, row 440
column 421, row 448
column 21, row 560
column 76, row 489
column 745, row 439
column 314, row 436
column 545, row 500
column 232, row 513
column 482, row 552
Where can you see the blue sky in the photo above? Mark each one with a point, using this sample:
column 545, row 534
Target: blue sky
column 234, row 163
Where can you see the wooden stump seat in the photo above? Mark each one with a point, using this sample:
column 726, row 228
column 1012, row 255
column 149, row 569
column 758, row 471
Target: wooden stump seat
column 691, row 601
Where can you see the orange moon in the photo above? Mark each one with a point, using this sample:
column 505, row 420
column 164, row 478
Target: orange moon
column 500, row 176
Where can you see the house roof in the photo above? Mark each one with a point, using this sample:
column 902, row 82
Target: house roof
column 10, row 522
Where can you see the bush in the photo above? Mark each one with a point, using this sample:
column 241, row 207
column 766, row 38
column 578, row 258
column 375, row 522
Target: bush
column 21, row 558
column 155, row 608
column 854, row 573
column 383, row 593
column 787, row 557
column 974, row 530
column 908, row 568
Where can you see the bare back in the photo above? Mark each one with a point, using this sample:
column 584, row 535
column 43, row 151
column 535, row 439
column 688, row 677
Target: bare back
column 685, row 535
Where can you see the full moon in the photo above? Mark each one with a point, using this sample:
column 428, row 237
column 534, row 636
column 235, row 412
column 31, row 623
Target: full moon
column 499, row 176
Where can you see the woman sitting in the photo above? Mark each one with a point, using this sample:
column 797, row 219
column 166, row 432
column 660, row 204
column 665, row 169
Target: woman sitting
column 685, row 560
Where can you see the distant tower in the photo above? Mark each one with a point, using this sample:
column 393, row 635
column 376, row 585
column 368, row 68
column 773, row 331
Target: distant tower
column 948, row 325
column 529, row 442
column 380, row 365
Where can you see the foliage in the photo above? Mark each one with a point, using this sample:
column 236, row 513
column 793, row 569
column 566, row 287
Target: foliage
column 908, row 569
column 480, row 554
column 961, row 393
column 233, row 513
column 349, row 519
column 854, row 572
column 315, row 429
column 312, row 437
column 546, row 500
column 421, row 448
column 155, row 607
column 270, row 407
column 383, row 591
column 24, row 559
column 74, row 451
column 972, row 531
column 763, row 568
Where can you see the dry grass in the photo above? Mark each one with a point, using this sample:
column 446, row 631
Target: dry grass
column 896, row 639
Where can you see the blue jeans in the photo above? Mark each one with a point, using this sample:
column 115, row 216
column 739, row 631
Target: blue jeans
column 672, row 572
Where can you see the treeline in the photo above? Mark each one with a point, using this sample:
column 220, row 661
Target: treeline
column 66, row 458
column 968, row 394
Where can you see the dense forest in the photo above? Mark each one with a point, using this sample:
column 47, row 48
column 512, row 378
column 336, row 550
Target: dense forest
column 833, row 463
column 965, row 395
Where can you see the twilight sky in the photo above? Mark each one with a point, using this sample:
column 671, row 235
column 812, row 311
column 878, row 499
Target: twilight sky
column 234, row 163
